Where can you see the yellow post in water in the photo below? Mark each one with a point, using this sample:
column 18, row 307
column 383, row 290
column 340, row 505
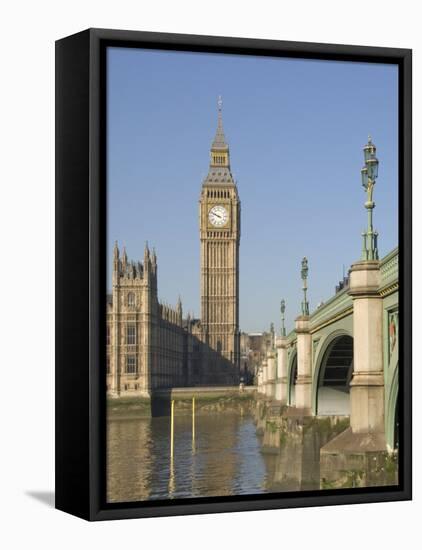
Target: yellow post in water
column 193, row 421
column 172, row 429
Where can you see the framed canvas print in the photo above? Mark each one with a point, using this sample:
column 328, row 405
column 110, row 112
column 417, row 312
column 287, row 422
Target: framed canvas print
column 233, row 274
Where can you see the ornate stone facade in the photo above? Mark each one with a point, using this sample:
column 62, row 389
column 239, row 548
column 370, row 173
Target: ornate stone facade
column 147, row 342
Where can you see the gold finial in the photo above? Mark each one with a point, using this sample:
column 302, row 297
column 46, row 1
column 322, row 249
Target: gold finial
column 220, row 102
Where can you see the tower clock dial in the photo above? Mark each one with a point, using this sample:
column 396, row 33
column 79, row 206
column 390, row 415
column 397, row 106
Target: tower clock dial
column 218, row 216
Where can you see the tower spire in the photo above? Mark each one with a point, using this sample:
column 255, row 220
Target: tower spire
column 220, row 139
column 220, row 155
column 124, row 259
column 179, row 307
column 116, row 260
column 147, row 258
column 116, row 251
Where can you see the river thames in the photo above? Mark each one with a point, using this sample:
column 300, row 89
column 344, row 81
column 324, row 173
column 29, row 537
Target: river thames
column 232, row 453
column 225, row 458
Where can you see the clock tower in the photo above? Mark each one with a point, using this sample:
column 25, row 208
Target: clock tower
column 219, row 219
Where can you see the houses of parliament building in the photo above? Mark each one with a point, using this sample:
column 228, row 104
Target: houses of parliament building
column 151, row 345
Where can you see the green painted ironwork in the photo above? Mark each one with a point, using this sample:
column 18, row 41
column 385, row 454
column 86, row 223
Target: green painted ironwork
column 304, row 276
column 282, row 310
column 369, row 175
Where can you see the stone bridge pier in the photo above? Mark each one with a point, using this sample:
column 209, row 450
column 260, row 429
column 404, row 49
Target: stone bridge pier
column 281, row 377
column 304, row 366
column 367, row 385
column 367, row 403
column 271, row 375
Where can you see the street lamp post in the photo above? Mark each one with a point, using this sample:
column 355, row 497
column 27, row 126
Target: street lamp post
column 369, row 174
column 304, row 275
column 282, row 310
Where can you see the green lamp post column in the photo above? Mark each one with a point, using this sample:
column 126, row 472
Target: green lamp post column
column 282, row 310
column 369, row 174
column 272, row 332
column 281, row 344
column 304, row 276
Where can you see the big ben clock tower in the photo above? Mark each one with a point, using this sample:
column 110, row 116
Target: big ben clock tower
column 219, row 220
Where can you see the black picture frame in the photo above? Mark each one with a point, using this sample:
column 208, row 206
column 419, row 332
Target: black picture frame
column 81, row 269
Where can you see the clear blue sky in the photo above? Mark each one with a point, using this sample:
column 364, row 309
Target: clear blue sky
column 296, row 129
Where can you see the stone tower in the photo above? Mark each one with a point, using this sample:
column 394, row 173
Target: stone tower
column 132, row 313
column 219, row 219
column 148, row 346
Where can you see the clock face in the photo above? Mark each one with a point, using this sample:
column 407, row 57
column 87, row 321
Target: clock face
column 218, row 216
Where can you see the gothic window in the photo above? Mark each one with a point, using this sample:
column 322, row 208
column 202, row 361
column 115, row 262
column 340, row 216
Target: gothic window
column 131, row 335
column 131, row 299
column 108, row 365
column 130, row 364
column 108, row 335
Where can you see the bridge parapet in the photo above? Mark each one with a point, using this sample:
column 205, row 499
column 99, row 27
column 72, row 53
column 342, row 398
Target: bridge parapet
column 337, row 306
column 291, row 337
column 389, row 267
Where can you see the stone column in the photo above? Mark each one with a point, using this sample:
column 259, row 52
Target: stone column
column 281, row 378
column 264, row 376
column 304, row 364
column 271, row 368
column 367, row 385
column 259, row 379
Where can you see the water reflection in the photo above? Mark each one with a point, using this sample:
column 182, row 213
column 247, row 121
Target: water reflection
column 224, row 460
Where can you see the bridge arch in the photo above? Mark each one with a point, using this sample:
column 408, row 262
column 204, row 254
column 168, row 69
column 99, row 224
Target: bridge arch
column 291, row 378
column 392, row 417
column 332, row 375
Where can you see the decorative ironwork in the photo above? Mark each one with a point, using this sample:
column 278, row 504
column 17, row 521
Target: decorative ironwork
column 304, row 276
column 282, row 310
column 369, row 175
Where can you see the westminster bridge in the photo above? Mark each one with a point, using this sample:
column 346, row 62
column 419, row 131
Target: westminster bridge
column 341, row 361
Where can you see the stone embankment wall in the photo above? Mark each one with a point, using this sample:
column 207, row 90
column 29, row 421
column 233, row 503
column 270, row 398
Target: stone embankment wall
column 207, row 401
